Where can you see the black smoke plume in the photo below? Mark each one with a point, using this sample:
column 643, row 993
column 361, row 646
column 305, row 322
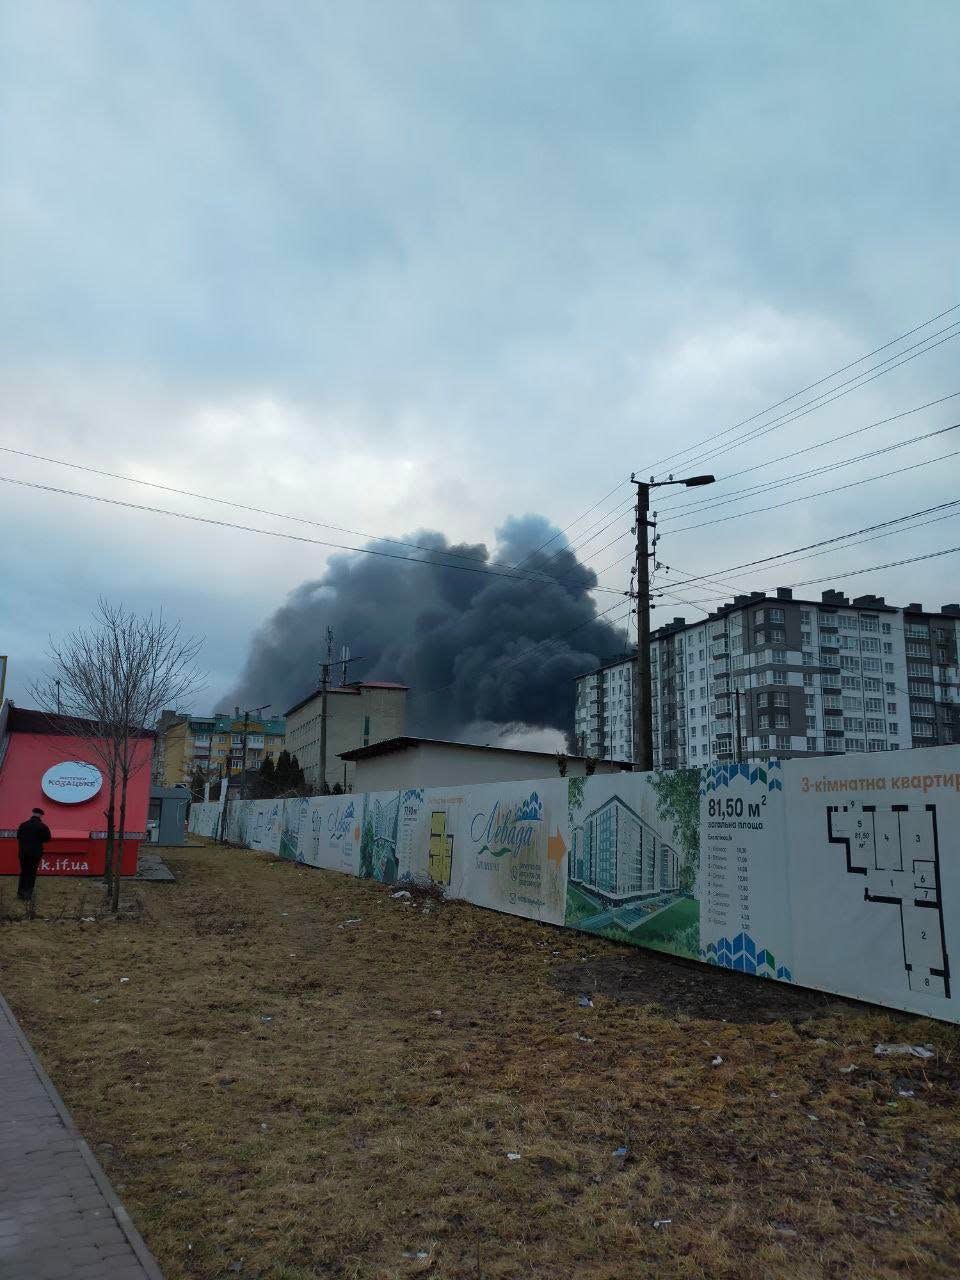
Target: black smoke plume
column 473, row 648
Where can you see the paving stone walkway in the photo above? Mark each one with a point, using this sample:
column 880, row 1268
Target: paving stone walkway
column 59, row 1217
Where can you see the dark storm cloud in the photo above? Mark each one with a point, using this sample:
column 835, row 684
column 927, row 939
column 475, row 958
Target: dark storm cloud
column 472, row 647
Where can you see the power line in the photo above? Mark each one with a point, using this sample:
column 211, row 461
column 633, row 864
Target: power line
column 289, row 537
column 852, row 484
column 819, row 383
column 814, row 555
column 853, row 573
column 824, row 542
column 751, row 491
column 821, row 444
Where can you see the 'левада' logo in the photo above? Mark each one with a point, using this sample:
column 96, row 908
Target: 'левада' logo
column 507, row 828
column 71, row 782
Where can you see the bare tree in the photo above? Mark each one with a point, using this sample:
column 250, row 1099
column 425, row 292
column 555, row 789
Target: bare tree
column 108, row 684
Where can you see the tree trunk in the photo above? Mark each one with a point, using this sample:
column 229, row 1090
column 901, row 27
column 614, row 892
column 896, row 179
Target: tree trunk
column 118, row 861
column 108, row 856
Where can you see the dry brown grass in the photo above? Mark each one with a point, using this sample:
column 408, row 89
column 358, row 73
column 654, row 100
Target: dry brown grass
column 370, row 1118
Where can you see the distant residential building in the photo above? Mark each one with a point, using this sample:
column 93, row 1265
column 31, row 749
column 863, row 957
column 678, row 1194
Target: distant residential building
column 792, row 678
column 359, row 713
column 603, row 719
column 214, row 744
column 430, row 762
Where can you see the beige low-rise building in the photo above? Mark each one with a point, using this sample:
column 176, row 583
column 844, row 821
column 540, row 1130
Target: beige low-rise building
column 358, row 714
column 430, row 762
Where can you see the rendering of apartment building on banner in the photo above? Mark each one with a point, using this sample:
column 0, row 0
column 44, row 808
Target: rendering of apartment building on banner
column 619, row 856
column 213, row 743
column 804, row 677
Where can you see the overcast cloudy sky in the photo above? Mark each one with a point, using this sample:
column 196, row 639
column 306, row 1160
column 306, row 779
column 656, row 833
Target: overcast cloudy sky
column 428, row 265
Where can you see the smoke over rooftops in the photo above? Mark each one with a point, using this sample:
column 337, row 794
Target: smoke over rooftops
column 494, row 648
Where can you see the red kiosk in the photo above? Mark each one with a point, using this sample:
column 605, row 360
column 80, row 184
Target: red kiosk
column 44, row 764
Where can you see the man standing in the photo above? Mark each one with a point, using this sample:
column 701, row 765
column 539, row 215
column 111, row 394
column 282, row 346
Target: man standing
column 32, row 835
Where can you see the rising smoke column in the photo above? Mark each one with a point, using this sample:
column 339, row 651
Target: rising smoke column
column 494, row 647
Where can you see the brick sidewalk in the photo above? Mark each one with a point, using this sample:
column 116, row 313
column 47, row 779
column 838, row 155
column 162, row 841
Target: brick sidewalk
column 59, row 1217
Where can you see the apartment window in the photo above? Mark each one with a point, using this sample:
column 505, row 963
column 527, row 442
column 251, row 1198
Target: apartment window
column 891, row 708
column 833, row 660
column 885, row 628
column 764, row 722
column 850, row 682
column 919, row 669
column 887, row 646
column 920, row 729
column 875, row 726
column 782, row 722
column 777, row 635
column 693, row 750
column 849, row 664
column 892, row 729
column 846, row 623
column 811, row 722
column 871, row 664
column 852, row 704
column 808, row 679
column 869, row 645
column 781, row 700
column 783, row 744
column 888, row 668
column 872, row 685
column 832, row 702
column 853, row 723
column 876, row 744
column 811, row 744
column 809, row 700
column 758, row 617
column 805, row 616
column 874, row 704
column 854, row 744
column 778, row 677
column 236, row 740
column 869, row 624
column 922, row 688
column 760, row 637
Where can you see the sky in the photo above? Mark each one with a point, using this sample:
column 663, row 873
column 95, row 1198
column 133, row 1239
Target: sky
column 433, row 266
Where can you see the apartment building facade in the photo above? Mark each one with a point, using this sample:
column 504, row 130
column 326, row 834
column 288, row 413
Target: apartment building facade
column 358, row 714
column 603, row 715
column 214, row 744
column 771, row 675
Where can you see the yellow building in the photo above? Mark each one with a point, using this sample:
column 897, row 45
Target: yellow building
column 214, row 744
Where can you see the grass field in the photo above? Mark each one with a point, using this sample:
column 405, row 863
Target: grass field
column 303, row 1078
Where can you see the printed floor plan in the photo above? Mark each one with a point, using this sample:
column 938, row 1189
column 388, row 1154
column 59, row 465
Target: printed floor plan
column 896, row 848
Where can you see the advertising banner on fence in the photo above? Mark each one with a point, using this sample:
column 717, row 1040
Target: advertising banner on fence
column 634, row 851
column 743, row 888
column 840, row 873
column 504, row 846
column 874, row 875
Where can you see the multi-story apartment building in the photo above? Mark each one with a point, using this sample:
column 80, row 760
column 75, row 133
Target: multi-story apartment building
column 358, row 714
column 603, row 718
column 772, row 675
column 214, row 744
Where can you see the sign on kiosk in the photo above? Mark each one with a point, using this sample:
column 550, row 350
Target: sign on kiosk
column 71, row 782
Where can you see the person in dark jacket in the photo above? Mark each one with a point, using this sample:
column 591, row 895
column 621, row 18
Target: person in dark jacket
column 32, row 835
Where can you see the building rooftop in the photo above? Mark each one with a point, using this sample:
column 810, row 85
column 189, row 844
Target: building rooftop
column 390, row 746
column 355, row 687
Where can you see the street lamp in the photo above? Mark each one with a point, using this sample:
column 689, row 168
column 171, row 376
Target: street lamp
column 643, row 709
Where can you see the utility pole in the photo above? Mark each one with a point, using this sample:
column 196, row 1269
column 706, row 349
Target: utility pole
column 324, row 686
column 243, row 760
column 643, row 708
